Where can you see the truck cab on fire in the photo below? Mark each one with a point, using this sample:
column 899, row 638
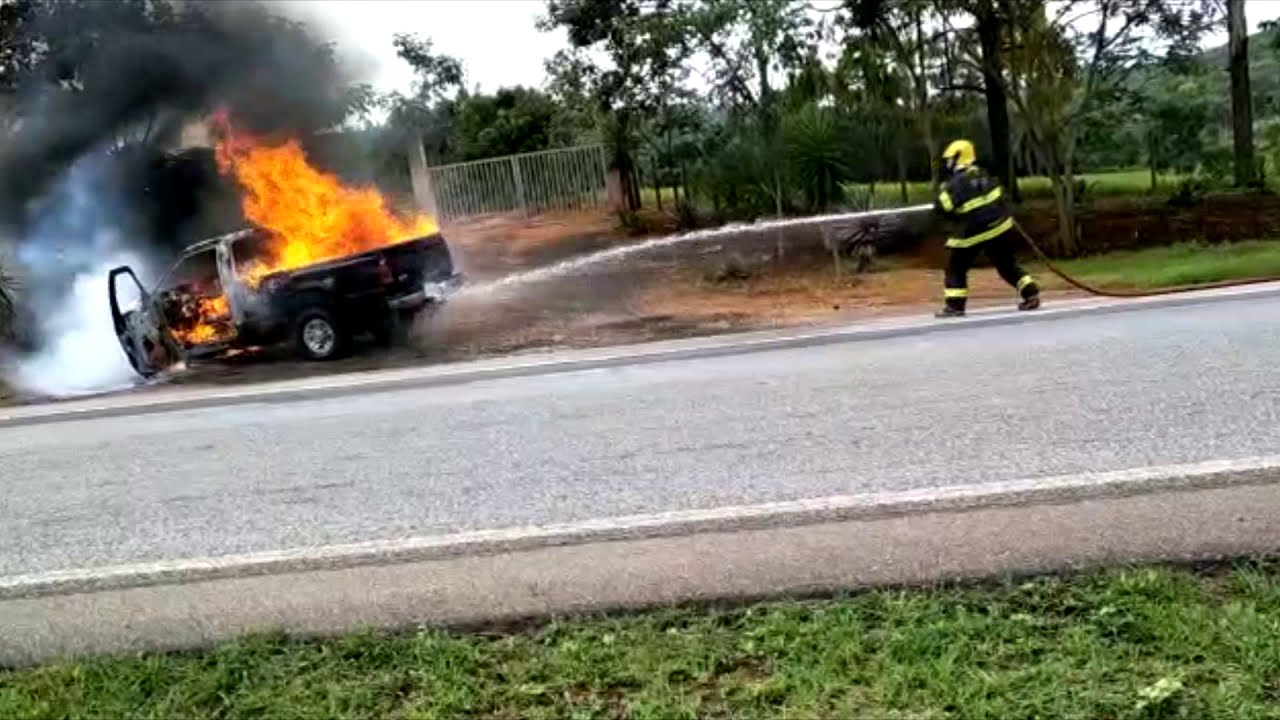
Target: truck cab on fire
column 216, row 300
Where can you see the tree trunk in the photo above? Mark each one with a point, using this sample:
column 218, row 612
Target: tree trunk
column 1241, row 98
column 1065, row 192
column 1153, row 160
column 902, row 171
column 926, row 113
column 777, row 206
column 657, row 186
column 1063, row 197
column 997, row 100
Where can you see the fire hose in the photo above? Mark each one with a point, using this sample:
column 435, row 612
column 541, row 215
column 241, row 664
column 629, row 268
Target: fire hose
column 1102, row 292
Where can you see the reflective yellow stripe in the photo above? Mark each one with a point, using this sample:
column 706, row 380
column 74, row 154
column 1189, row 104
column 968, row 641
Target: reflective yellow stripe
column 1003, row 227
column 978, row 202
column 955, row 292
column 1025, row 281
column 945, row 201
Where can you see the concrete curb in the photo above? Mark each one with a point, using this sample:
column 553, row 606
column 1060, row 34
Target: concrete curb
column 649, row 353
column 1205, row 510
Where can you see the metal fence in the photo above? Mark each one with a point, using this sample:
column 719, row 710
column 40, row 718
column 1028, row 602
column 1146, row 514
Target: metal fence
column 527, row 184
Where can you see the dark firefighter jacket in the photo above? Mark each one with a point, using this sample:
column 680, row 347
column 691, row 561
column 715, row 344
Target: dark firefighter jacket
column 973, row 200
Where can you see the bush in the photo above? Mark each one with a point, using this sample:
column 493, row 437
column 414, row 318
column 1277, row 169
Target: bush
column 686, row 216
column 631, row 222
column 739, row 176
column 816, row 143
column 1189, row 193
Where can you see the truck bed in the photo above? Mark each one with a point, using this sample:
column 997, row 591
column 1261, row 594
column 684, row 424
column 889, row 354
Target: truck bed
column 412, row 263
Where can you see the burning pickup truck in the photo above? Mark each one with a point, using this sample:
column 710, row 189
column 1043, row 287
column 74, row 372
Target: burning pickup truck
column 214, row 300
column 323, row 263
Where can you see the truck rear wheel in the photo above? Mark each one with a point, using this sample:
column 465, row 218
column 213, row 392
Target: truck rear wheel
column 317, row 335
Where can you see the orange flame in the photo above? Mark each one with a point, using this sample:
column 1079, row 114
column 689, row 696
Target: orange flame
column 211, row 322
column 309, row 215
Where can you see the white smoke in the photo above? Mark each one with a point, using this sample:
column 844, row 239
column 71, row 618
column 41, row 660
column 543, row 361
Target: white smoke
column 63, row 261
column 82, row 354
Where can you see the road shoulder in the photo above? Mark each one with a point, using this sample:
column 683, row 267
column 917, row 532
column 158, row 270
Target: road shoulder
column 1193, row 512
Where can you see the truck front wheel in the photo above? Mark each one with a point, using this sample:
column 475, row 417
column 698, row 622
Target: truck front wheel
column 318, row 336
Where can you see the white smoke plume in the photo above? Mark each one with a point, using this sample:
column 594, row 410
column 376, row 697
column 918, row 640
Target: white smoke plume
column 81, row 354
column 63, row 261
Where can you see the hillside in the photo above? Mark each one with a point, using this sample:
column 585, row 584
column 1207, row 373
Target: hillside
column 1264, row 70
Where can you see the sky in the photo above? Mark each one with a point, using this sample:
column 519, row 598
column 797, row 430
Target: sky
column 496, row 40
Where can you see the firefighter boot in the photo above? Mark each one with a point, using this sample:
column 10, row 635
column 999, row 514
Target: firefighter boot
column 953, row 308
column 1030, row 293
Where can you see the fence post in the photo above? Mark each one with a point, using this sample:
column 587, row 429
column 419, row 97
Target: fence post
column 515, row 172
column 420, row 178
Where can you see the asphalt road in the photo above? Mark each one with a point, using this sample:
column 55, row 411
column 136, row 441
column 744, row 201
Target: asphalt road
column 1151, row 386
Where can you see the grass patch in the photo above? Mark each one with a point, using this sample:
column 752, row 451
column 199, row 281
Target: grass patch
column 1111, row 184
column 1138, row 643
column 888, row 193
column 1181, row 264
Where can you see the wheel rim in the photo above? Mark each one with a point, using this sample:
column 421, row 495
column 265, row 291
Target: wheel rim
column 318, row 336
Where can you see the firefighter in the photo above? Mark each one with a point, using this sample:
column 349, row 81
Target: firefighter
column 974, row 201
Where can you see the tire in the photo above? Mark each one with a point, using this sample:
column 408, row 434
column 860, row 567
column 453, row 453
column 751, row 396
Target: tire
column 318, row 336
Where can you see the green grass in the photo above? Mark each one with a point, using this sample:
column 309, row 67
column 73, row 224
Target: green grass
column 1138, row 643
column 1121, row 183
column 889, row 194
column 1181, row 264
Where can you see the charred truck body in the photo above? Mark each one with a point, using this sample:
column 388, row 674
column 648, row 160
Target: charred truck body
column 212, row 301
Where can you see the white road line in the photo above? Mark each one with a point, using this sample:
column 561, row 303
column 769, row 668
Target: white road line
column 1046, row 490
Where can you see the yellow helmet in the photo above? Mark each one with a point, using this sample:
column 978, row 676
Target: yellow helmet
column 959, row 155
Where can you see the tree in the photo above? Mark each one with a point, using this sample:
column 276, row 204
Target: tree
column 900, row 31
column 1176, row 106
column 642, row 49
column 422, row 113
column 434, row 75
column 872, row 93
column 512, row 120
column 1241, row 97
column 670, row 137
column 1063, row 68
column 748, row 42
column 990, row 27
column 814, row 137
column 17, row 51
column 944, row 64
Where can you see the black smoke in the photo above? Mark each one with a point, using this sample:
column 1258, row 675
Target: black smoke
column 92, row 175
column 140, row 69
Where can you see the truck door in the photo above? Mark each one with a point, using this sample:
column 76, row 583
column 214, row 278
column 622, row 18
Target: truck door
column 138, row 328
column 231, row 286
